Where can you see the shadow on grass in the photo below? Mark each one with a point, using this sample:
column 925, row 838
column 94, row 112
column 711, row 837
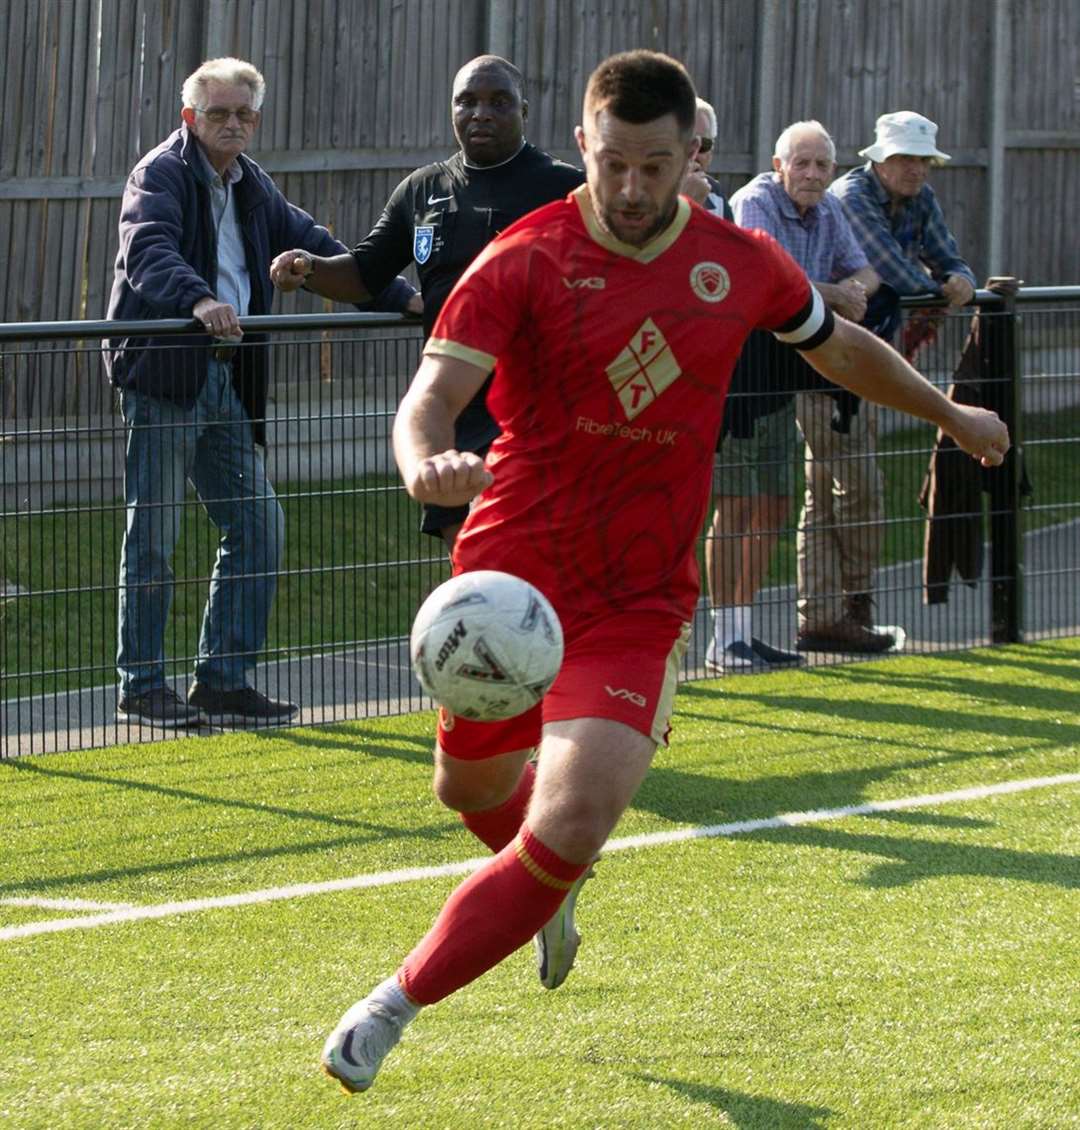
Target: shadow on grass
column 749, row 1112
column 907, row 861
column 344, row 737
column 364, row 831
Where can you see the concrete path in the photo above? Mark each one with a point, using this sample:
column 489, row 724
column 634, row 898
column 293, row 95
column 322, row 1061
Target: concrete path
column 375, row 681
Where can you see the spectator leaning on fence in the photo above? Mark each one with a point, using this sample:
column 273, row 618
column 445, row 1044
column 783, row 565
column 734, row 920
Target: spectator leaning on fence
column 897, row 221
column 199, row 224
column 442, row 216
column 754, row 479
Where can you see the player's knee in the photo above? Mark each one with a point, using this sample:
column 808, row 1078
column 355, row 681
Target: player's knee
column 575, row 828
column 468, row 793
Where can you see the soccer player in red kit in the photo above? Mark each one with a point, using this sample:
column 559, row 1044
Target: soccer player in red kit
column 612, row 320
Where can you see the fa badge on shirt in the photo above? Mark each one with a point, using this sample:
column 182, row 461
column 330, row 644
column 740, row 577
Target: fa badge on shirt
column 423, row 239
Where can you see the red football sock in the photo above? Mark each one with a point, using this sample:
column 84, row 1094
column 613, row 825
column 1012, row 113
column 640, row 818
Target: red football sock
column 496, row 827
column 494, row 912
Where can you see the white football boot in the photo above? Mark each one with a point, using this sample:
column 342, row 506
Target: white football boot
column 557, row 943
column 354, row 1051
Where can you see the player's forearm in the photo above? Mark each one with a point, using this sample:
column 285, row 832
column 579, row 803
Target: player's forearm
column 423, row 427
column 336, row 277
column 856, row 359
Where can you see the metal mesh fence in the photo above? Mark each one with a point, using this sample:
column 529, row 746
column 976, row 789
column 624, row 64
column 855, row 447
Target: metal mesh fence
column 353, row 566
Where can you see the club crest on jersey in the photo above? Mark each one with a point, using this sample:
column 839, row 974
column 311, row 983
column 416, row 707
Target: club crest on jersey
column 710, row 282
column 423, row 241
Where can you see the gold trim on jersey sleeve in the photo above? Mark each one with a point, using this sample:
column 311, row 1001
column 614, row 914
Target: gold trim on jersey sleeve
column 443, row 346
column 653, row 249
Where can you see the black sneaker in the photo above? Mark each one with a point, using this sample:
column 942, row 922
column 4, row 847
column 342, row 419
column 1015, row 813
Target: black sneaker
column 775, row 656
column 243, row 707
column 161, row 706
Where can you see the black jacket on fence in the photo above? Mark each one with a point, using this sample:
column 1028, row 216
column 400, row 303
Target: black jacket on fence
column 952, row 490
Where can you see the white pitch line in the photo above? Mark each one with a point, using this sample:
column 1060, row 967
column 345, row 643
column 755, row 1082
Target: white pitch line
column 67, row 904
column 465, row 866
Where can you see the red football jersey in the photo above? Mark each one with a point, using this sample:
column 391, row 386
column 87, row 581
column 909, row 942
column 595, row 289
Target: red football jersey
column 611, row 366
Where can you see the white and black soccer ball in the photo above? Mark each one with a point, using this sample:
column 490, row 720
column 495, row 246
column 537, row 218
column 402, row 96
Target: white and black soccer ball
column 486, row 645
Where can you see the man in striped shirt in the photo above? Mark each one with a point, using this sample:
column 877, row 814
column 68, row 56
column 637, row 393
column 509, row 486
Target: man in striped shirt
column 899, row 225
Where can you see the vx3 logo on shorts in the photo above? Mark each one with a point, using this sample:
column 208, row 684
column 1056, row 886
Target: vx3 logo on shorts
column 629, row 696
column 594, row 283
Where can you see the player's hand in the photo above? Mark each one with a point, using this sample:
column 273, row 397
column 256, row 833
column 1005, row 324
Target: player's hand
column 958, row 290
column 980, row 433
column 415, row 305
column 289, row 269
column 451, row 478
column 218, row 318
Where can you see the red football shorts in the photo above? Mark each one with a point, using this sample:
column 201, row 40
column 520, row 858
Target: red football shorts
column 619, row 666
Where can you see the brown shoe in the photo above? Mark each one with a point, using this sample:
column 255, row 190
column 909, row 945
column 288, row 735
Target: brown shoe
column 848, row 636
column 859, row 608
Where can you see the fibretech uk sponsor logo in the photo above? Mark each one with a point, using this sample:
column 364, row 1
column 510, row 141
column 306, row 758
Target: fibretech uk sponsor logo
column 662, row 436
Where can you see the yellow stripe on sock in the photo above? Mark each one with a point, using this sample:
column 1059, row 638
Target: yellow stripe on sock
column 537, row 872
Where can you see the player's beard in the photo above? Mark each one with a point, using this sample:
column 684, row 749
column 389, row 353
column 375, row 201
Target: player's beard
column 639, row 236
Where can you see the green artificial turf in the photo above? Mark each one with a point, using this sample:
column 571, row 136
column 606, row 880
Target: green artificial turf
column 908, row 968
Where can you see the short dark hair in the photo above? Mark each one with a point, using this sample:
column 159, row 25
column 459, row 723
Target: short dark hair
column 641, row 86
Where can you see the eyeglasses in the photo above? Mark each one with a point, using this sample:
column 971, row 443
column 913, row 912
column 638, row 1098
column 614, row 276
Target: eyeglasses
column 219, row 115
column 705, row 144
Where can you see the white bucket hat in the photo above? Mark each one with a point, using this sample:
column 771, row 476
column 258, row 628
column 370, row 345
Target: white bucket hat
column 904, row 132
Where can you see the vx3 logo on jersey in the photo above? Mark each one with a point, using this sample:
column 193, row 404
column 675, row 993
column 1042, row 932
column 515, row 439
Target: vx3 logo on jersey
column 593, row 283
column 629, row 696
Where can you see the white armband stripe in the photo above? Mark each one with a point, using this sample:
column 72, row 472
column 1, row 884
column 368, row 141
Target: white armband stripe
column 810, row 325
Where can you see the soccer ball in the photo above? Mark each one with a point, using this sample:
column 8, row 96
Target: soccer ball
column 486, row 645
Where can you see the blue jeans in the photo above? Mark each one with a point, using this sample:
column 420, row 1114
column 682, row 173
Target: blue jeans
column 211, row 445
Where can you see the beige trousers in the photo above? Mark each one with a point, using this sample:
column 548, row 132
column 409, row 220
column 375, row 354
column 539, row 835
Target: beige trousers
column 841, row 528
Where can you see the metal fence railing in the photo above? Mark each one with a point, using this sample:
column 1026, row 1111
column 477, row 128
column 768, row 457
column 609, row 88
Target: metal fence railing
column 355, row 566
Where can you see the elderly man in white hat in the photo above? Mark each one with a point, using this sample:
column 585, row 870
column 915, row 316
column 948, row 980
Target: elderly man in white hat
column 898, row 223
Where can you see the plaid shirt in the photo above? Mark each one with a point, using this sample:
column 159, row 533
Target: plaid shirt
column 821, row 242
column 902, row 245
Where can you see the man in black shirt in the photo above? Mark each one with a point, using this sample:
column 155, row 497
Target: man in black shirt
column 441, row 217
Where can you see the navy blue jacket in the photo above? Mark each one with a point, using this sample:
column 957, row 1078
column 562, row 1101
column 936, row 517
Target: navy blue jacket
column 167, row 261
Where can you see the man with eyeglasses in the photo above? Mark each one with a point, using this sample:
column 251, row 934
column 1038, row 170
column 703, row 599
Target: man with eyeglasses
column 199, row 224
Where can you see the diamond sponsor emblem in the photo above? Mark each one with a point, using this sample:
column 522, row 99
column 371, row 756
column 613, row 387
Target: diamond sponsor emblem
column 643, row 370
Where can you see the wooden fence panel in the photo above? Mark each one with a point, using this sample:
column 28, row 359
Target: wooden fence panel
column 358, row 94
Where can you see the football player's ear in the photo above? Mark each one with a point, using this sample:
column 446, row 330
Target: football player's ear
column 524, row 110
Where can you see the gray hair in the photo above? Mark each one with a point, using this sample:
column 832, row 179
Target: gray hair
column 705, row 108
column 785, row 142
column 230, row 72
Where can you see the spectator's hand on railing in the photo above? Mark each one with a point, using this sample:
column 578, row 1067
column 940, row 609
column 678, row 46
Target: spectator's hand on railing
column 289, row 269
column 850, row 300
column 218, row 318
column 1005, row 285
column 415, row 305
column 980, row 433
column 958, row 290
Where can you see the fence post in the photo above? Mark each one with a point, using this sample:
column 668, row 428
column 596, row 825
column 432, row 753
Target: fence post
column 1001, row 392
